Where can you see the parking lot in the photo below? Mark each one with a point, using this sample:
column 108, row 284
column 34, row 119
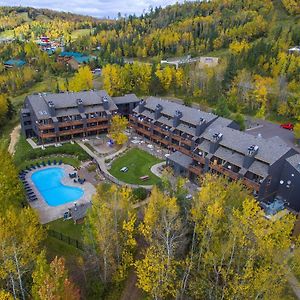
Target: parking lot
column 268, row 129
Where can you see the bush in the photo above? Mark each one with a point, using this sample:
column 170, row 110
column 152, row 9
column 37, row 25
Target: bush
column 239, row 118
column 92, row 168
column 140, row 193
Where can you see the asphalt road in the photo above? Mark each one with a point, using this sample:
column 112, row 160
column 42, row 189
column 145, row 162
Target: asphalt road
column 268, row 129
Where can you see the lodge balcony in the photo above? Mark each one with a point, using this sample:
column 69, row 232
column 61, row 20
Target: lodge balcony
column 195, row 170
column 251, row 184
column 229, row 173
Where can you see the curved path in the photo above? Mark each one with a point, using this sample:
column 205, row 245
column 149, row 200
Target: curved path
column 14, row 137
column 155, row 169
column 101, row 163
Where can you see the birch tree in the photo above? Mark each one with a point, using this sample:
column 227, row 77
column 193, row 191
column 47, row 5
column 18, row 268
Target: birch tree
column 164, row 231
column 109, row 232
column 20, row 238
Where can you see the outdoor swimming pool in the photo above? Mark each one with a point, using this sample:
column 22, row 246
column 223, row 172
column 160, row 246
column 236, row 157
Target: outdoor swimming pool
column 48, row 182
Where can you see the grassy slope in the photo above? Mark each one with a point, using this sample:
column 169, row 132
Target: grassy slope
column 139, row 163
column 67, row 228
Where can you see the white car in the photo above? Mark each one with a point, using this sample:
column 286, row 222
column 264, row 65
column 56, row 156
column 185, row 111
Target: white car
column 124, row 169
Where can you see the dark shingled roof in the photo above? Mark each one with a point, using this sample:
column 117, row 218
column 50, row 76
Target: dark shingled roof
column 79, row 212
column 67, row 102
column 294, row 161
column 189, row 115
column 181, row 159
column 270, row 150
column 128, row 98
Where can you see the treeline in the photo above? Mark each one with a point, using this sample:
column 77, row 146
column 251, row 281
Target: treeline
column 141, row 79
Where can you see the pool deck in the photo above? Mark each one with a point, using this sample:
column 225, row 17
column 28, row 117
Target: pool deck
column 49, row 213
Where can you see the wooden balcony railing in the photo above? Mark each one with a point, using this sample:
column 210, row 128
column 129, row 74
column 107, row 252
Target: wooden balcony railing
column 48, row 135
column 142, row 130
column 198, row 158
column 70, row 123
column 160, row 139
column 225, row 171
column 251, row 184
column 196, row 170
column 161, row 130
column 70, row 131
column 98, row 127
column 99, row 119
column 45, row 126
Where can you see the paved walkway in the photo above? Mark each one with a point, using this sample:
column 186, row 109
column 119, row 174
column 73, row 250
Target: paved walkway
column 102, row 166
column 155, row 169
column 14, row 137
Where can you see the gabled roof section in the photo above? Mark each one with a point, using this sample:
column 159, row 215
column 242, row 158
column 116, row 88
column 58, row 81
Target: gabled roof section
column 294, row 161
column 189, row 115
column 15, row 62
column 269, row 150
column 66, row 102
column 128, row 98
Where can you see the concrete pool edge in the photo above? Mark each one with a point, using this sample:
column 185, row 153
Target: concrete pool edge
column 50, row 213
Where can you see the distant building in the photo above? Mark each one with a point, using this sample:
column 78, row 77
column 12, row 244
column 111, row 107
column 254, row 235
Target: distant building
column 14, row 63
column 74, row 59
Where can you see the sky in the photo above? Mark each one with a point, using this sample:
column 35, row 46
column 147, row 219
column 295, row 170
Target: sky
column 96, row 8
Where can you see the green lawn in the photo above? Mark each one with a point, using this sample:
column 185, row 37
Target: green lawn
column 67, row 228
column 139, row 164
column 80, row 32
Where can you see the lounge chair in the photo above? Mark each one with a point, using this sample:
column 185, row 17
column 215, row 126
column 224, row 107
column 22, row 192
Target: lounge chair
column 60, row 162
column 74, row 180
column 32, row 166
column 44, row 164
column 54, row 162
column 49, row 163
column 29, row 169
column 38, row 165
column 32, row 199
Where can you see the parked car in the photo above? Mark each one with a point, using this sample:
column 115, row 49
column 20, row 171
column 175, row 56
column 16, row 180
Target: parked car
column 124, row 169
column 288, row 126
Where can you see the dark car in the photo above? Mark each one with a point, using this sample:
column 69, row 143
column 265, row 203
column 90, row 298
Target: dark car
column 288, row 126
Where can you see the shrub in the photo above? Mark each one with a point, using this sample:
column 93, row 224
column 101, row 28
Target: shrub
column 92, row 168
column 140, row 193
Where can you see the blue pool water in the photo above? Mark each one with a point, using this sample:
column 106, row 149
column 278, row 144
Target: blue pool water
column 48, row 183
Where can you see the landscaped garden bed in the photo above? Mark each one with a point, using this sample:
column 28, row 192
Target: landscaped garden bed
column 71, row 154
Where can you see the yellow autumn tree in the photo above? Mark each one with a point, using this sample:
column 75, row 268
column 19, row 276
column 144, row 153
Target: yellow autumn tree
column 236, row 253
column 117, row 129
column 20, row 241
column 82, row 80
column 3, row 108
column 51, row 282
column 109, row 232
column 163, row 229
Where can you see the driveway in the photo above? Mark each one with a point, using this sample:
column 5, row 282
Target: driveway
column 268, row 129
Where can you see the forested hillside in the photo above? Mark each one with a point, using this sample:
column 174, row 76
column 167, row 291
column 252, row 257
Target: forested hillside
column 256, row 74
